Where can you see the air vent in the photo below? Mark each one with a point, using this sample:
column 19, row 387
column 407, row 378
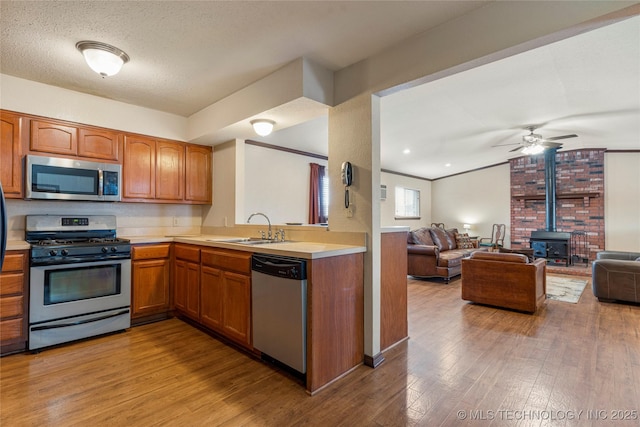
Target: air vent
column 383, row 192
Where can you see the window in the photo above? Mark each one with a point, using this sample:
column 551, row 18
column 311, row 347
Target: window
column 318, row 194
column 324, row 196
column 407, row 203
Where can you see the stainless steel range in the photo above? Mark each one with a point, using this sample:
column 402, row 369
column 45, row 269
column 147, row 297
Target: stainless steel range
column 80, row 278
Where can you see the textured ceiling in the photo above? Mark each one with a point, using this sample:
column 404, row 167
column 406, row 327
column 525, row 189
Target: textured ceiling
column 588, row 85
column 186, row 55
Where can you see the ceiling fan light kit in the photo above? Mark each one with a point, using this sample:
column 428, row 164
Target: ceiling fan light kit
column 533, row 149
column 534, row 143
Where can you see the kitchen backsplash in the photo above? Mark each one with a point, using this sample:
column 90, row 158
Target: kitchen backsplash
column 133, row 219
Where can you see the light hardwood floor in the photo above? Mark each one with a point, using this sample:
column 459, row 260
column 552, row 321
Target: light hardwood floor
column 460, row 357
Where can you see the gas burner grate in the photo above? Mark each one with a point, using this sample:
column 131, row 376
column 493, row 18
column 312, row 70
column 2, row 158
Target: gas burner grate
column 51, row 242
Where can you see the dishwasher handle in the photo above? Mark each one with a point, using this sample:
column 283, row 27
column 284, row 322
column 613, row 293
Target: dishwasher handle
column 288, row 268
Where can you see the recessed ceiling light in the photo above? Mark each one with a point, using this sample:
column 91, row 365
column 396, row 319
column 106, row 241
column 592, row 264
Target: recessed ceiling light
column 406, row 151
column 447, row 165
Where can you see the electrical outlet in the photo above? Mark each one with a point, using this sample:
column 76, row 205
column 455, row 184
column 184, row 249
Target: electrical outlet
column 175, row 221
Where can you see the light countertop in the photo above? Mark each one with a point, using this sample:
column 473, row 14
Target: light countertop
column 306, row 250
column 17, row 245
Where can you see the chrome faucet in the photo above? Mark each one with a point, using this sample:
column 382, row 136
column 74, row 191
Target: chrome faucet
column 269, row 235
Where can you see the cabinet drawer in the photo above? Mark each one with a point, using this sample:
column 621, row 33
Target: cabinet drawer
column 11, row 329
column 150, row 252
column 11, row 283
column 237, row 261
column 13, row 262
column 11, row 306
column 188, row 253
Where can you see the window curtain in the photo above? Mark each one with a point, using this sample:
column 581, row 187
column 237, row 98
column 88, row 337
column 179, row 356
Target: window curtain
column 317, row 204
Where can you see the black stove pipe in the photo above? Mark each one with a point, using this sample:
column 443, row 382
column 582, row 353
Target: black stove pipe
column 550, row 188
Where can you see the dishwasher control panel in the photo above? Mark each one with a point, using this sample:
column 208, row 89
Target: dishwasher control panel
column 285, row 267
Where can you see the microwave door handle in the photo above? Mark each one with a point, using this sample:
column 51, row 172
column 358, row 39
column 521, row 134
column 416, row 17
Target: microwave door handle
column 100, row 182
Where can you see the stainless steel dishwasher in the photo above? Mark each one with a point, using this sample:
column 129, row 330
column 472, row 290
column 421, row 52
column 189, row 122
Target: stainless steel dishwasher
column 279, row 309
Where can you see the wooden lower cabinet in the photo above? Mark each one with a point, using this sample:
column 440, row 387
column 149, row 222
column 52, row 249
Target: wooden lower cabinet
column 225, row 290
column 211, row 284
column 187, row 296
column 225, row 304
column 187, row 281
column 213, row 287
column 150, row 281
column 14, row 295
column 236, row 303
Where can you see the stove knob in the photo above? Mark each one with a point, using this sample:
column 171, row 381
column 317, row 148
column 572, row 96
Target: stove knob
column 65, row 252
column 104, row 250
column 53, row 252
column 114, row 249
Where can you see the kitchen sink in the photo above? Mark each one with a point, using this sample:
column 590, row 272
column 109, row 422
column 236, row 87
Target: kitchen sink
column 257, row 241
column 246, row 240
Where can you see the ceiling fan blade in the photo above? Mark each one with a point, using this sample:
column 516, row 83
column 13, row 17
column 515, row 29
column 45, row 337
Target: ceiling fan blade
column 506, row 145
column 548, row 144
column 516, row 149
column 555, row 138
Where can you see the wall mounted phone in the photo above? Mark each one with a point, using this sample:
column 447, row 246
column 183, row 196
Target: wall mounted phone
column 347, row 174
column 347, row 180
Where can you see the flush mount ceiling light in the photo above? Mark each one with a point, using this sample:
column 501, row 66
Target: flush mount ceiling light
column 262, row 127
column 104, row 59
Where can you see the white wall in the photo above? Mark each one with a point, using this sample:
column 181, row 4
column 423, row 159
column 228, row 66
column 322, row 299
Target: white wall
column 277, row 184
column 480, row 198
column 622, row 201
column 387, row 207
column 30, row 97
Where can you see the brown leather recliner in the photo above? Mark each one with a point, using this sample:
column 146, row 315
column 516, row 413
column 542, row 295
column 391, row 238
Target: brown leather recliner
column 504, row 280
column 616, row 276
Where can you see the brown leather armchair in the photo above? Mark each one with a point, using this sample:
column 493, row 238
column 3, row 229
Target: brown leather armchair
column 616, row 276
column 504, row 280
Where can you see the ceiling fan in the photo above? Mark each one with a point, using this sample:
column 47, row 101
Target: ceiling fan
column 534, row 143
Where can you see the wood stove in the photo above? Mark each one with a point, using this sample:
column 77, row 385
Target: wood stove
column 553, row 245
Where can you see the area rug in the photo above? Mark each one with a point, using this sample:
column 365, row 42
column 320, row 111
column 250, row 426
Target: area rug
column 565, row 289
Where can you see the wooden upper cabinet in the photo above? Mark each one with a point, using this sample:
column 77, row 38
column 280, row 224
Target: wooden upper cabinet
column 99, row 144
column 10, row 154
column 139, row 168
column 50, row 137
column 198, row 174
column 169, row 170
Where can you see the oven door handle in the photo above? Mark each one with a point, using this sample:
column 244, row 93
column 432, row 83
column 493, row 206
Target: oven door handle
column 80, row 322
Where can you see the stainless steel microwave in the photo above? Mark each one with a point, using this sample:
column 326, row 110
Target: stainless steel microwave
column 54, row 178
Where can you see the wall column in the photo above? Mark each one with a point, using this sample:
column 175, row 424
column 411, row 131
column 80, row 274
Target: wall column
column 354, row 136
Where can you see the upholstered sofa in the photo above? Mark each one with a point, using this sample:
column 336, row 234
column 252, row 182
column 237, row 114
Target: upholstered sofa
column 616, row 276
column 504, row 280
column 435, row 252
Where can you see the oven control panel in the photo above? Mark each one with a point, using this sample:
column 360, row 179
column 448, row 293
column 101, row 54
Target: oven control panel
column 66, row 222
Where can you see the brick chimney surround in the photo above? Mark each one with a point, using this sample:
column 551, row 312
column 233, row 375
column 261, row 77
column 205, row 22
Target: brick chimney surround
column 579, row 198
